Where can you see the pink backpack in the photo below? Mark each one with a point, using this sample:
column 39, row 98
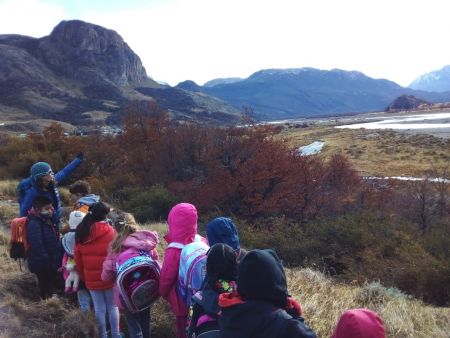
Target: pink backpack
column 137, row 279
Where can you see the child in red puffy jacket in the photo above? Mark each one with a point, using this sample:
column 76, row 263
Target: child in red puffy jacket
column 92, row 239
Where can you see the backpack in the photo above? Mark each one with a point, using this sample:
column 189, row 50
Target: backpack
column 137, row 280
column 192, row 268
column 19, row 245
column 208, row 330
column 22, row 188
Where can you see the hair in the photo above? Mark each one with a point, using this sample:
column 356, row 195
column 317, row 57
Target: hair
column 221, row 263
column 97, row 212
column 80, row 187
column 125, row 225
column 41, row 201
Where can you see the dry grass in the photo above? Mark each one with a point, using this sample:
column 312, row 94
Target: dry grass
column 378, row 152
column 324, row 300
column 8, row 190
column 23, row 314
column 7, row 213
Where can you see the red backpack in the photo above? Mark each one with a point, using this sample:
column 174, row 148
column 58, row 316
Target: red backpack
column 19, row 245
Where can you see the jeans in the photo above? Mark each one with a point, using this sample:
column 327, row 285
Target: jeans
column 104, row 302
column 84, row 299
column 138, row 323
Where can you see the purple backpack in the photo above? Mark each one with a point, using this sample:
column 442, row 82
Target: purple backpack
column 192, row 269
column 137, row 279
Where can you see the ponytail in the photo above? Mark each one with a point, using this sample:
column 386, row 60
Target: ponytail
column 97, row 212
column 125, row 225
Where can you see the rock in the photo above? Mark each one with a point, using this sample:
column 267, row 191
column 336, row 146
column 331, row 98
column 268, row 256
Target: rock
column 406, row 102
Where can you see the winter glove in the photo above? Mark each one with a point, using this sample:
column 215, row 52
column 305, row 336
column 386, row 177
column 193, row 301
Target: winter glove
column 80, row 155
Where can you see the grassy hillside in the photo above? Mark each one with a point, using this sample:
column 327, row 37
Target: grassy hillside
column 22, row 314
column 378, row 152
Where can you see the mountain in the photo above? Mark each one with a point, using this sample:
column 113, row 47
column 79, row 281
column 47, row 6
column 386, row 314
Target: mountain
column 406, row 102
column 189, row 85
column 84, row 74
column 306, row 92
column 219, row 81
column 437, row 81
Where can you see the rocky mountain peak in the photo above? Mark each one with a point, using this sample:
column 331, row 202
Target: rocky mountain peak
column 86, row 36
column 92, row 54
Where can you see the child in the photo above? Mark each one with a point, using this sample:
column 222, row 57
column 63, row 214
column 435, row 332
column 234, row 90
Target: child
column 92, row 239
column 44, row 255
column 82, row 199
column 261, row 307
column 182, row 222
column 80, row 194
column 359, row 323
column 68, row 263
column 132, row 241
column 221, row 267
column 223, row 230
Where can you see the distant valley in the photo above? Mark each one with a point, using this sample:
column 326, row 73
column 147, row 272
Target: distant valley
column 307, row 92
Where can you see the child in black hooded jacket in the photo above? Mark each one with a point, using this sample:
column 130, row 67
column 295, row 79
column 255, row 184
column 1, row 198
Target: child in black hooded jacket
column 221, row 270
column 261, row 307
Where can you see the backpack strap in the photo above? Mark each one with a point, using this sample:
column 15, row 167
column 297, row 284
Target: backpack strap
column 176, row 245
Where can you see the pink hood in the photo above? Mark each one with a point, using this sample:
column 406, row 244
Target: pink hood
column 359, row 323
column 141, row 240
column 182, row 221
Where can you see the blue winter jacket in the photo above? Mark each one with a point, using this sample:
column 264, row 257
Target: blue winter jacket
column 53, row 194
column 45, row 248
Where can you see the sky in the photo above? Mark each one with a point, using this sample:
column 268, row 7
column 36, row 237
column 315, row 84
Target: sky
column 201, row 40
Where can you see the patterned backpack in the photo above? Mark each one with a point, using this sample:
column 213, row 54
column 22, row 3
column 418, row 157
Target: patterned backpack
column 192, row 269
column 137, row 279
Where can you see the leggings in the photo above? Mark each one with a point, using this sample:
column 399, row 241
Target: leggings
column 104, row 302
column 181, row 324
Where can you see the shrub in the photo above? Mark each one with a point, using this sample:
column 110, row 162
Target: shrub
column 146, row 205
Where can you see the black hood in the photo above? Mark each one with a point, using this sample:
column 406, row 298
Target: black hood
column 261, row 277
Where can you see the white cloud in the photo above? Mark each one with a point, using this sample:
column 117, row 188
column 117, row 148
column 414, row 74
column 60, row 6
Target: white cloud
column 28, row 17
column 204, row 39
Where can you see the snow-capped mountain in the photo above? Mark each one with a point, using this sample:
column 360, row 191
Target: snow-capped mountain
column 436, row 81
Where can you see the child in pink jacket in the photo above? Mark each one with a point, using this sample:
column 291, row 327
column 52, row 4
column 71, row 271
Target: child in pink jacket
column 132, row 241
column 182, row 221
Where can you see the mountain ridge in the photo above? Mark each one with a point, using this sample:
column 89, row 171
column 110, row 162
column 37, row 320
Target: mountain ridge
column 81, row 68
column 308, row 92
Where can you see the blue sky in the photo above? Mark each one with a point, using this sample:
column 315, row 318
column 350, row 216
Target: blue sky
column 205, row 39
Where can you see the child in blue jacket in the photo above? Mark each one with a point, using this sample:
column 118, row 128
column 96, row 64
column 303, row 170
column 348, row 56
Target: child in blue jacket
column 45, row 252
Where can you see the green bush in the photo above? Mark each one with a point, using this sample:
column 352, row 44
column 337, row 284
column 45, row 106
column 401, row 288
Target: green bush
column 146, row 205
column 357, row 247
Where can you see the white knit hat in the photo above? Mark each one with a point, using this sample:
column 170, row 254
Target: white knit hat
column 75, row 218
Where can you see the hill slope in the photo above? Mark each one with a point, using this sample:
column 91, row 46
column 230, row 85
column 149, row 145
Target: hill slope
column 307, row 92
column 81, row 68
